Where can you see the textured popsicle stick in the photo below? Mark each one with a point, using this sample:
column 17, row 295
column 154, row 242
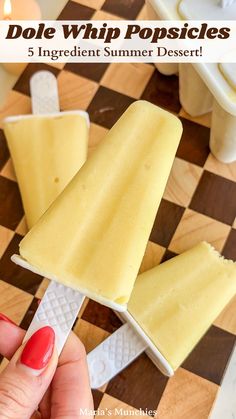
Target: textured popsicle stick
column 114, row 354
column 44, row 93
column 58, row 309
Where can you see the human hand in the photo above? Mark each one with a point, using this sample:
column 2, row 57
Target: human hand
column 36, row 379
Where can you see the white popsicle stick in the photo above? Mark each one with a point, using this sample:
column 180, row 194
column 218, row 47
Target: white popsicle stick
column 120, row 349
column 44, row 93
column 59, row 308
column 113, row 355
column 60, row 305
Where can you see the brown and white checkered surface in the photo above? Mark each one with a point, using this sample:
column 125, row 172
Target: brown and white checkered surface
column 199, row 203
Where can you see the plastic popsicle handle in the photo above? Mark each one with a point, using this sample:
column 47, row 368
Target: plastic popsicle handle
column 59, row 308
column 113, row 355
column 44, row 93
column 120, row 349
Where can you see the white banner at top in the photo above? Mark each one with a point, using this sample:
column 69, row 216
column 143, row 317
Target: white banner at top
column 118, row 41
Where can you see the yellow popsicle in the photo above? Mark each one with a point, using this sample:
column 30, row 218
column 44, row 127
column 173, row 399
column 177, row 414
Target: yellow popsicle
column 94, row 235
column 176, row 302
column 47, row 151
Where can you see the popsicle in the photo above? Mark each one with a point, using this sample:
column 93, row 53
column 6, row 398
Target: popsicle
column 176, row 302
column 171, row 307
column 94, row 235
column 47, row 151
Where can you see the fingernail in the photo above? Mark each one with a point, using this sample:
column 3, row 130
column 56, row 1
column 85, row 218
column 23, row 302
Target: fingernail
column 39, row 349
column 6, row 319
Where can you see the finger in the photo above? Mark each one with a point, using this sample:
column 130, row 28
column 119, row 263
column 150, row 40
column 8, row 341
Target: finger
column 73, row 350
column 28, row 375
column 11, row 337
column 70, row 353
column 71, row 392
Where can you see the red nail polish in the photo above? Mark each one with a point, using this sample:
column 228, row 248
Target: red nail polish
column 6, row 319
column 39, row 349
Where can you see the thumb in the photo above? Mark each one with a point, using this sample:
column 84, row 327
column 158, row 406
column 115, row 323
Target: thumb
column 28, row 375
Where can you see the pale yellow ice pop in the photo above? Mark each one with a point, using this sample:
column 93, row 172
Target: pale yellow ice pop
column 176, row 302
column 94, row 235
column 47, row 151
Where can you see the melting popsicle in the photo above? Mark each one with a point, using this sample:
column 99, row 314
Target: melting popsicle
column 94, row 235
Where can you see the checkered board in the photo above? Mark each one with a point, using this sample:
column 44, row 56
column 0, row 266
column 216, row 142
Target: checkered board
column 199, row 203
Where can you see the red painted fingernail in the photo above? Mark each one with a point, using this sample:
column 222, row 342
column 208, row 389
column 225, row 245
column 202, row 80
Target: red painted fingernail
column 6, row 319
column 39, row 349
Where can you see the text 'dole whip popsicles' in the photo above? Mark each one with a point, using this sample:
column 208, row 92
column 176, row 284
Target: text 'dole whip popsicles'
column 170, row 309
column 47, row 151
column 94, row 235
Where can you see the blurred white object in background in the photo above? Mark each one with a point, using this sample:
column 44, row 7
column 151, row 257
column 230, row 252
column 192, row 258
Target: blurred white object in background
column 203, row 84
column 226, row 3
column 194, row 95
